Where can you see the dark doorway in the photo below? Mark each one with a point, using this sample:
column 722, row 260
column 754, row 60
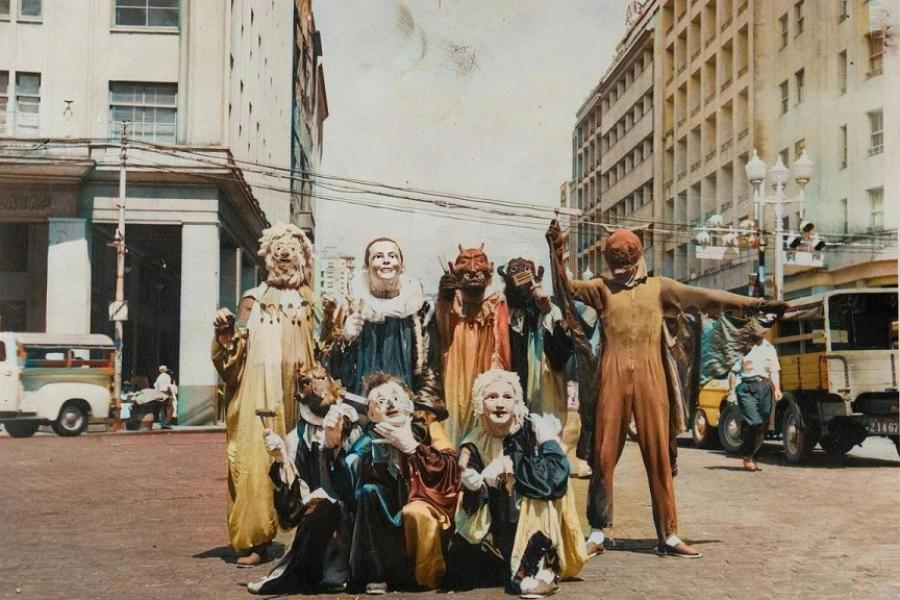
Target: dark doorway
column 153, row 292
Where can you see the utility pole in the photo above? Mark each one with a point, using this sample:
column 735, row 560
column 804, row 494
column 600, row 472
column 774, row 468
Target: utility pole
column 118, row 311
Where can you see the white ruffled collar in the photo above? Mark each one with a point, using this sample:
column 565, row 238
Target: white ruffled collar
column 404, row 304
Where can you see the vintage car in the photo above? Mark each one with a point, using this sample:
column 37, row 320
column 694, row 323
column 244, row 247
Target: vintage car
column 61, row 380
column 838, row 356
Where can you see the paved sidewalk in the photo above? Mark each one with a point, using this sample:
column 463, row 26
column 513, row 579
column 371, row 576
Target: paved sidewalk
column 143, row 516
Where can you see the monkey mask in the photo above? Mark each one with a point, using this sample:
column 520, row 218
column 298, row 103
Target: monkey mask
column 519, row 276
column 317, row 392
column 473, row 270
column 624, row 255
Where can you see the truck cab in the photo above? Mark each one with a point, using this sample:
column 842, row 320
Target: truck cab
column 61, row 380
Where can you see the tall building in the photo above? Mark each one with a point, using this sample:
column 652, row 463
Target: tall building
column 207, row 89
column 335, row 273
column 613, row 158
column 731, row 76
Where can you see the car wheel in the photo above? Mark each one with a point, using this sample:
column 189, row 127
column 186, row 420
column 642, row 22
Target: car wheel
column 72, row 420
column 705, row 436
column 798, row 439
column 730, row 429
column 21, row 429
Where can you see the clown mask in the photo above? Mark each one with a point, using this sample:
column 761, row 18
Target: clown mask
column 389, row 402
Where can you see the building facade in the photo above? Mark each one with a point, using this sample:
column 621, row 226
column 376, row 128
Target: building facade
column 208, row 90
column 335, row 273
column 731, row 76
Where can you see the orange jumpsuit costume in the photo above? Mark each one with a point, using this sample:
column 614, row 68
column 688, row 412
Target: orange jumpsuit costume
column 633, row 376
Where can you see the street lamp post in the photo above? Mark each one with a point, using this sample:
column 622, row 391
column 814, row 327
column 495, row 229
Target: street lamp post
column 118, row 312
column 778, row 177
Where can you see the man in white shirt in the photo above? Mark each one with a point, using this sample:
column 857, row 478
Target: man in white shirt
column 163, row 384
column 759, row 375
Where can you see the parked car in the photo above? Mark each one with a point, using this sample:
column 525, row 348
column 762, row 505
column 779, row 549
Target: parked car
column 838, row 356
column 61, row 380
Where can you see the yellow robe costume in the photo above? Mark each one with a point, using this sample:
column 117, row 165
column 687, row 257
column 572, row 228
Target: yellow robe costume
column 258, row 367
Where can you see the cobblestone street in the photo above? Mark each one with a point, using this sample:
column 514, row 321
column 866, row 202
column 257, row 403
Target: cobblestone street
column 143, row 516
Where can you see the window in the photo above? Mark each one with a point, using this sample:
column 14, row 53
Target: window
column 842, row 71
column 149, row 109
column 799, row 76
column 28, row 103
column 876, row 128
column 784, row 96
column 29, row 9
column 876, row 54
column 845, row 215
column 798, row 16
column 785, row 155
column 842, row 147
column 147, row 13
column 783, row 22
column 4, row 9
column 845, row 10
column 4, row 99
column 876, row 205
column 799, row 147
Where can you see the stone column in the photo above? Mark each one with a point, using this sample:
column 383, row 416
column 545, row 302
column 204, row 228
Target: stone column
column 197, row 378
column 68, row 276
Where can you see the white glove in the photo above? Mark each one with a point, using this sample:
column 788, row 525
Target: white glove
column 546, row 427
column 472, row 479
column 333, row 426
column 399, row 436
column 502, row 465
column 352, row 327
column 275, row 446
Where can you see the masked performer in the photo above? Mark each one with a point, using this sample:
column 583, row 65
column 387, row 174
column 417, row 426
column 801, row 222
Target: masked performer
column 305, row 495
column 633, row 379
column 516, row 522
column 380, row 327
column 257, row 358
column 539, row 344
column 474, row 333
column 404, row 487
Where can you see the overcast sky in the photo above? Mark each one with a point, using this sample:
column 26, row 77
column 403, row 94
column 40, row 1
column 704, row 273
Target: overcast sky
column 465, row 96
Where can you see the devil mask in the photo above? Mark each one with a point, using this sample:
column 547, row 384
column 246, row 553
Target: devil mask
column 473, row 270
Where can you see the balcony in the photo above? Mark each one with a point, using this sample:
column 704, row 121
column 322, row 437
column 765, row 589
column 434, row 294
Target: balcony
column 710, row 156
column 695, row 54
column 669, row 132
column 876, row 150
column 725, row 85
column 695, row 110
column 709, row 41
column 725, row 24
column 695, row 166
column 680, row 68
column 681, row 175
column 681, row 16
column 742, row 70
column 874, row 72
column 743, row 7
column 709, row 98
column 682, row 121
column 726, row 145
column 743, row 133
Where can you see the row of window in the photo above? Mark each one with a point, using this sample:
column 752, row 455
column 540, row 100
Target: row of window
column 799, row 21
column 149, row 108
column 128, row 13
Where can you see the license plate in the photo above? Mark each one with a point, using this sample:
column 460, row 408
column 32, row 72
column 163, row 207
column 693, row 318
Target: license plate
column 883, row 425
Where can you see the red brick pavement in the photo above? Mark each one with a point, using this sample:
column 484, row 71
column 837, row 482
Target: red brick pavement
column 143, row 516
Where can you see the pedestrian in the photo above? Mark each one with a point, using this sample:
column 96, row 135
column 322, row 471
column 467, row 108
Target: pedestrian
column 759, row 374
column 163, row 385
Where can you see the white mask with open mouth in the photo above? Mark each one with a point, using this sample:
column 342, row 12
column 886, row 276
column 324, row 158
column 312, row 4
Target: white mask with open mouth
column 390, row 403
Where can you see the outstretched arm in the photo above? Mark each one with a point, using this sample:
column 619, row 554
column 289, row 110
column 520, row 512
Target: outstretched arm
column 685, row 297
